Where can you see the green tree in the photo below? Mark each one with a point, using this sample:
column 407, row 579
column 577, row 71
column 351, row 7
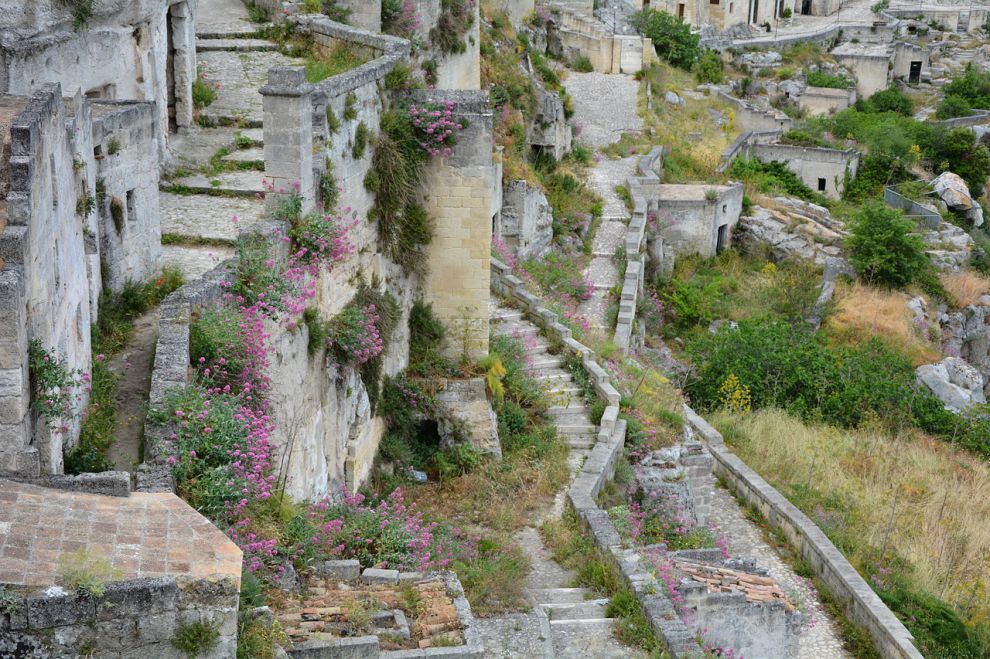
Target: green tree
column 884, row 250
column 672, row 37
column 957, row 151
column 953, row 106
column 709, row 68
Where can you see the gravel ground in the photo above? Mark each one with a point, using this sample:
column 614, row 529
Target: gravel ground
column 604, row 106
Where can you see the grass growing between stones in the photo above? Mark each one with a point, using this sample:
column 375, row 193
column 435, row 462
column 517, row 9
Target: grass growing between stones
column 574, row 549
column 909, row 513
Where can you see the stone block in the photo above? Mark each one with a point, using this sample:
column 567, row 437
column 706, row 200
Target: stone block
column 157, row 627
column 375, row 575
column 342, row 570
column 14, row 617
column 146, row 596
column 45, row 612
column 361, row 647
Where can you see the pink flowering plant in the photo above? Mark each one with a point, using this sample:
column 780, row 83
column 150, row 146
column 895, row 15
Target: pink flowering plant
column 321, row 238
column 436, row 127
column 53, row 386
column 354, row 335
column 401, row 18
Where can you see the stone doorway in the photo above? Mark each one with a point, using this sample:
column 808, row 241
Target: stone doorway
column 914, row 76
column 806, row 7
column 722, row 239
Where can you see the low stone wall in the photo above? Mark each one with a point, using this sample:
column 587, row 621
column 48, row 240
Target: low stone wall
column 139, row 617
column 598, row 469
column 750, row 118
column 911, row 208
column 978, row 118
column 107, row 483
column 857, row 599
column 742, row 143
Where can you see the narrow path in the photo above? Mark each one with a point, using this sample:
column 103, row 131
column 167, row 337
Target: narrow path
column 200, row 205
column 565, row 621
column 601, row 124
column 133, row 367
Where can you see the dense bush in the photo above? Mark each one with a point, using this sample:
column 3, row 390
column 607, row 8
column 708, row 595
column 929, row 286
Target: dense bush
column 884, row 247
column 887, row 100
column 971, row 90
column 709, row 68
column 672, row 37
column 456, row 18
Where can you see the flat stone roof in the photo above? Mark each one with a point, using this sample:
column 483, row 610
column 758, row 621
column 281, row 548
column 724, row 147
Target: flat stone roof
column 143, row 535
column 862, row 50
column 827, row 91
column 688, row 191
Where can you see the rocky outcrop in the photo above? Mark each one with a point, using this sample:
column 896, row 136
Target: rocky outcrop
column 789, row 237
column 526, row 223
column 550, row 131
column 467, row 416
column 955, row 193
column 966, row 333
column 949, row 246
column 954, row 382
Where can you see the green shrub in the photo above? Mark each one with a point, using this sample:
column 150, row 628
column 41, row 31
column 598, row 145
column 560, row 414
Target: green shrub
column 196, row 638
column 773, row 177
column 427, row 336
column 953, row 106
column 889, row 100
column 96, row 435
column 972, row 87
column 360, row 141
column 216, row 334
column 822, row 79
column 709, row 68
column 456, row 18
column 884, row 248
column 203, row 92
column 582, row 64
column 672, row 37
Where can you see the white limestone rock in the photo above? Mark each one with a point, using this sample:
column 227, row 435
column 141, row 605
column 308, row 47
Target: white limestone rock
column 468, row 416
column 955, row 193
column 954, row 382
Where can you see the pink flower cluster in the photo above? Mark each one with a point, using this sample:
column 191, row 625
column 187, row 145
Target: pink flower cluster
column 355, row 336
column 407, row 21
column 435, row 126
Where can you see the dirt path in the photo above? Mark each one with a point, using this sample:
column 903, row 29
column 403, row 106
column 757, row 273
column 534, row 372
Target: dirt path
column 133, row 366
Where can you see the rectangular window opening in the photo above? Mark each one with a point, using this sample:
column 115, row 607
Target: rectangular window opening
column 821, row 185
column 131, row 210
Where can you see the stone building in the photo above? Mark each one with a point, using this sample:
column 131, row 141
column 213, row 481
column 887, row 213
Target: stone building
column 694, row 218
column 142, row 50
column 823, row 170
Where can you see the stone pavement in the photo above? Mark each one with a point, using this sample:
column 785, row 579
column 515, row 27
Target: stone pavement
column 143, row 535
column 564, row 621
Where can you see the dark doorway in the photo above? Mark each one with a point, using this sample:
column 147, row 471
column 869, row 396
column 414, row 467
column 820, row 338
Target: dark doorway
column 806, row 7
column 680, row 10
column 821, row 185
column 914, row 76
column 173, row 125
column 756, row 10
column 722, row 238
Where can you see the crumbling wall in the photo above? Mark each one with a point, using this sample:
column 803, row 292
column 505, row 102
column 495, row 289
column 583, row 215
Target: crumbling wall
column 526, row 220
column 127, row 191
column 122, row 52
column 814, row 166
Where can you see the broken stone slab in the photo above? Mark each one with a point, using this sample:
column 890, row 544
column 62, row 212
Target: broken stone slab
column 467, row 416
column 375, row 575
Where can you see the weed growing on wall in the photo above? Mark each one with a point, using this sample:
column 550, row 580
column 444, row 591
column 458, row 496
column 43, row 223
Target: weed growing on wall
column 196, row 638
column 82, row 11
column 401, row 18
column 456, row 18
column 53, row 386
column 204, row 92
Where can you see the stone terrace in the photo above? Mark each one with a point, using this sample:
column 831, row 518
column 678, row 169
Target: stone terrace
column 143, row 535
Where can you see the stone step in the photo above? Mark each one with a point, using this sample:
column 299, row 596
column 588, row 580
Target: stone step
column 580, row 639
column 238, row 183
column 515, row 331
column 565, row 388
column 588, row 610
column 245, row 32
column 252, row 156
column 501, row 314
column 571, row 406
column 208, row 118
column 545, row 361
column 577, row 429
column 558, row 595
column 256, row 135
column 235, row 45
column 581, row 443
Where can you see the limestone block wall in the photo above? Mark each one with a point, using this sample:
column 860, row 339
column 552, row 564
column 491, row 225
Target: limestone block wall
column 121, row 53
column 127, row 188
column 813, row 165
column 44, row 237
column 525, row 222
column 516, row 9
column 750, row 118
column 870, row 65
column 458, row 195
column 456, row 70
column 365, row 15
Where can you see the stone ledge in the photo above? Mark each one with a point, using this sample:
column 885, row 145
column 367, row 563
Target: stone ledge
column 107, row 483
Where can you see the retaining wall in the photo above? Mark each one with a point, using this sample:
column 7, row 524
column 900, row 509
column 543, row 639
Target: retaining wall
column 598, row 469
column 926, row 214
column 857, row 599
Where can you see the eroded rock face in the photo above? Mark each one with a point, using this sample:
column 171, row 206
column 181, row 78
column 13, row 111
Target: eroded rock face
column 954, row 382
column 787, row 237
column 527, row 220
column 950, row 246
column 966, row 333
column 550, row 130
column 468, row 416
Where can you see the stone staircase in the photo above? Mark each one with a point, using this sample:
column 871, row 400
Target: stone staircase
column 565, row 621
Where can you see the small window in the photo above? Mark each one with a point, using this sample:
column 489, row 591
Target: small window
column 821, row 185
column 713, row 2
column 725, row 208
column 98, row 152
column 131, row 210
column 731, row 4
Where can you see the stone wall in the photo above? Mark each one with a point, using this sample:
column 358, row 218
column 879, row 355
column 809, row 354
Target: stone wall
column 454, row 70
column 750, row 118
column 516, row 9
column 44, row 250
column 576, row 32
column 813, row 165
column 904, row 54
column 691, row 217
column 854, row 595
column 121, row 53
column 870, row 65
column 525, row 223
column 127, row 191
column 825, row 100
column 459, row 198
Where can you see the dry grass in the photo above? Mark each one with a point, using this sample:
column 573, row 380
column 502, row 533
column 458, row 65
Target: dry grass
column 863, row 312
column 965, row 287
column 943, row 496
